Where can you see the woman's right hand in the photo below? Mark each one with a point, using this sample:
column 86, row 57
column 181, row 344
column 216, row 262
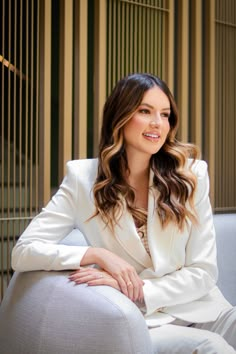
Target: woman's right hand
column 129, row 282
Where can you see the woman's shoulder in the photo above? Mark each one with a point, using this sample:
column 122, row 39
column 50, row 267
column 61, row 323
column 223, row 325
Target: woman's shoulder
column 198, row 167
column 84, row 163
column 84, row 168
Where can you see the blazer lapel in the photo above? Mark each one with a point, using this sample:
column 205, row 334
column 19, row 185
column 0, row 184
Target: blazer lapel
column 160, row 240
column 126, row 234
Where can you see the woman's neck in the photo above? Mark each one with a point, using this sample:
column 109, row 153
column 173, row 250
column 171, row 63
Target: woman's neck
column 138, row 176
column 138, row 170
column 138, row 179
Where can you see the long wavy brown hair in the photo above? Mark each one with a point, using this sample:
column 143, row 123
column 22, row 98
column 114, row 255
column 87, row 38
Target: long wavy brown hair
column 173, row 177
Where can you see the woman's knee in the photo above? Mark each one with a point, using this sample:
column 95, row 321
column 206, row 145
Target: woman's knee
column 171, row 339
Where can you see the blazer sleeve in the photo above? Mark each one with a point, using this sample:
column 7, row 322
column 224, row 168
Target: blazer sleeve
column 38, row 247
column 199, row 273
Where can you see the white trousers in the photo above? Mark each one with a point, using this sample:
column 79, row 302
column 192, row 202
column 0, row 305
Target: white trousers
column 218, row 337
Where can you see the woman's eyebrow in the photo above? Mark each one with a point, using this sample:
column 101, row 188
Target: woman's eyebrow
column 146, row 104
column 150, row 106
column 166, row 109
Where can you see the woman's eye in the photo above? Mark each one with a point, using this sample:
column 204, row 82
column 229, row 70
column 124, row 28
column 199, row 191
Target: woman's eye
column 144, row 111
column 165, row 115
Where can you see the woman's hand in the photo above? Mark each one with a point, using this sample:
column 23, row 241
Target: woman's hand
column 93, row 276
column 126, row 276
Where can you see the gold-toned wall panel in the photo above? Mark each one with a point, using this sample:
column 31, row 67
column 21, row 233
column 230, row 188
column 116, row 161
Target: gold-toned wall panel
column 65, row 85
column 100, row 67
column 164, row 37
column 80, row 78
column 137, row 38
column 19, row 164
column 225, row 91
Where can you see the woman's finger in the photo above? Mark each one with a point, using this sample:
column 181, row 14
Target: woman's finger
column 123, row 285
column 86, row 275
column 130, row 288
column 105, row 281
column 137, row 286
column 134, row 284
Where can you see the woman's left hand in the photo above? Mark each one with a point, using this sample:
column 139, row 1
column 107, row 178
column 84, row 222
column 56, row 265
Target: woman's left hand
column 93, row 276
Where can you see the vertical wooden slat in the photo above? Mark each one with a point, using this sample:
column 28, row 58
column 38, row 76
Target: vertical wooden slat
column 128, row 49
column 228, row 26
column 131, row 39
column 183, row 69
column 118, row 32
column 14, row 123
column 109, row 47
column 135, row 38
column 223, row 153
column 196, row 96
column 127, row 6
column 113, row 40
column 161, row 46
column 65, row 90
column 231, row 105
column 20, row 111
column 122, row 49
column 31, row 95
column 210, row 92
column 2, row 149
column 45, row 102
column 170, row 46
column 226, row 110
column 143, row 52
column 150, row 30
column 80, row 79
column 163, row 34
column 37, row 114
column 159, row 56
column 100, row 67
column 26, row 117
column 127, row 69
column 139, row 38
column 155, row 30
column 219, row 137
column 8, row 144
column 148, row 40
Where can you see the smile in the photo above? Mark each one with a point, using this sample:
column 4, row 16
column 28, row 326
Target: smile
column 152, row 136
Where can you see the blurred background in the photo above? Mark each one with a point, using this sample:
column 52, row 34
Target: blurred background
column 59, row 59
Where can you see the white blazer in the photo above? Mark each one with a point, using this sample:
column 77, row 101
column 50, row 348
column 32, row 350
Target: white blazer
column 180, row 276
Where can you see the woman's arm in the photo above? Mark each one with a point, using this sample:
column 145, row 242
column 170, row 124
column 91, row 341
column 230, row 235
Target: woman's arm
column 38, row 247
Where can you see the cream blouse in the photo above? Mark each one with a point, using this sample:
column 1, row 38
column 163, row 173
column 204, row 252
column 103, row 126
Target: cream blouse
column 142, row 232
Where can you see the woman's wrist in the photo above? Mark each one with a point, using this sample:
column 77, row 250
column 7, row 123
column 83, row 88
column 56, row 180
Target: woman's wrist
column 92, row 256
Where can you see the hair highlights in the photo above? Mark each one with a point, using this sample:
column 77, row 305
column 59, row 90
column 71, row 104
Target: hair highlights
column 173, row 179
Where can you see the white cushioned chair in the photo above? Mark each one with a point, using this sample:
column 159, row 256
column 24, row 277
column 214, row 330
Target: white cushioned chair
column 44, row 313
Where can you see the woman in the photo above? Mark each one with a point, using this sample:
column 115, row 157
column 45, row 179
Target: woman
column 143, row 206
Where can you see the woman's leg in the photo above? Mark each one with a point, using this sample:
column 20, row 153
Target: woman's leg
column 225, row 325
column 176, row 339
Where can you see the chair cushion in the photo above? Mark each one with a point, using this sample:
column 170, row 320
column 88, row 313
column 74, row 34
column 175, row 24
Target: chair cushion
column 225, row 225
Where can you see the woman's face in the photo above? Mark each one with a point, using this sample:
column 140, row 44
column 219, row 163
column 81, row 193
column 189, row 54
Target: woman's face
column 146, row 132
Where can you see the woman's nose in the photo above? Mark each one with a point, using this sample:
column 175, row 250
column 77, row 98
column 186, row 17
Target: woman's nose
column 155, row 121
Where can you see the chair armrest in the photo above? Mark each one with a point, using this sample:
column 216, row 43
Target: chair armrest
column 45, row 312
column 225, row 225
